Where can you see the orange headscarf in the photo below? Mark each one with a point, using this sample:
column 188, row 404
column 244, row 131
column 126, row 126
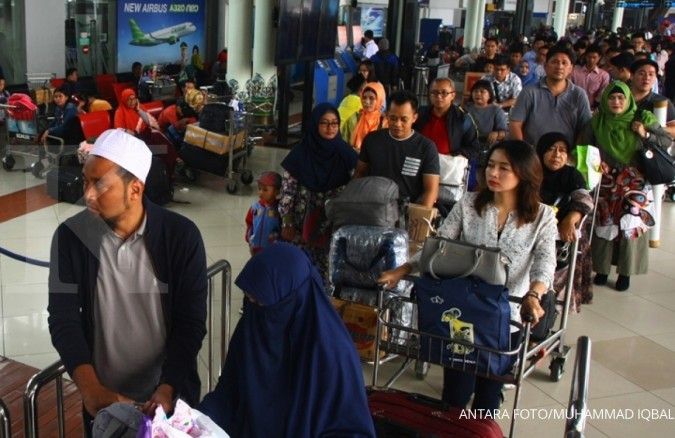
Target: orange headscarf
column 370, row 121
column 125, row 117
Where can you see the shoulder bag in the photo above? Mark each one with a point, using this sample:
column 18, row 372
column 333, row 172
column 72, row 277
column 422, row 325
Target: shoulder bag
column 657, row 166
column 447, row 258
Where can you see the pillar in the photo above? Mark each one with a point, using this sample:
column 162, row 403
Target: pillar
column 562, row 8
column 480, row 23
column 617, row 18
column 470, row 26
column 660, row 111
column 264, row 40
column 240, row 40
column 221, row 37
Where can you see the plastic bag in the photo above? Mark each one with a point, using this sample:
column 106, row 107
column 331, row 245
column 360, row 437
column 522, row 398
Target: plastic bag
column 588, row 163
column 184, row 423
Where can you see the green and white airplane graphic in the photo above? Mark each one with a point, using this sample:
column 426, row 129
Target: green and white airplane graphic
column 169, row 35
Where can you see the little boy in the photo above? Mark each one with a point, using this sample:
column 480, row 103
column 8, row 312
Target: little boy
column 263, row 224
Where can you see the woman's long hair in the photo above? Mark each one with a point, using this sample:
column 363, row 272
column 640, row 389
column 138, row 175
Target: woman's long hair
column 526, row 166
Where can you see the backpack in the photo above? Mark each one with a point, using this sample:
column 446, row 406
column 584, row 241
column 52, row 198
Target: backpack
column 119, row 420
column 215, row 117
column 372, row 200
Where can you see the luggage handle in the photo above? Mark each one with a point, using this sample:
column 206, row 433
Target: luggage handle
column 477, row 255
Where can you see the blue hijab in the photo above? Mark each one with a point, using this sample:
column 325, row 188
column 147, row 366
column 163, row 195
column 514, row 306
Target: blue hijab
column 321, row 165
column 292, row 369
column 531, row 76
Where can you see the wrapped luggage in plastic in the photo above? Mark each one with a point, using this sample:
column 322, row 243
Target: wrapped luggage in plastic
column 358, row 255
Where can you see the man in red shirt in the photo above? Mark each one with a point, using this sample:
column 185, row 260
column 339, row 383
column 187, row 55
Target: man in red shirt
column 446, row 124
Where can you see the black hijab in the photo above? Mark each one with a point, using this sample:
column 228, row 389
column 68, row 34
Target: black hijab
column 557, row 185
column 318, row 164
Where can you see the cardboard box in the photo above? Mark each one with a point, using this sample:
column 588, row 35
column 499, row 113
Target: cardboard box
column 195, row 136
column 220, row 143
column 420, row 219
column 361, row 323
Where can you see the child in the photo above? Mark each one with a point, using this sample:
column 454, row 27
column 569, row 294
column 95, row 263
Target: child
column 263, row 224
column 4, row 96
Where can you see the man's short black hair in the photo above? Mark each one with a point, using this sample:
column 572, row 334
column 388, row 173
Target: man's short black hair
column 402, row 97
column 560, row 49
column 496, row 41
column 593, row 48
column 70, row 71
column 501, row 60
column 622, row 60
column 136, row 65
column 368, row 34
column 638, row 64
column 638, row 35
column 581, row 44
column 517, row 48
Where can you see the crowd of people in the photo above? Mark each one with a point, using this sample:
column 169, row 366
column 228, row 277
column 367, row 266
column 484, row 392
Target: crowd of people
column 292, row 369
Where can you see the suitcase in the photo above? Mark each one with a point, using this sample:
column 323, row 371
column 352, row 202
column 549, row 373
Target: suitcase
column 372, row 200
column 66, row 184
column 201, row 159
column 215, row 117
column 400, row 414
column 158, row 184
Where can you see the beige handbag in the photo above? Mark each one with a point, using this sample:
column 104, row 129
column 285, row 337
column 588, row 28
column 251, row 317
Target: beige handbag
column 447, row 258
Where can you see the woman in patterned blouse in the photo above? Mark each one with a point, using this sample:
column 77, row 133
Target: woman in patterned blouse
column 504, row 213
column 314, row 170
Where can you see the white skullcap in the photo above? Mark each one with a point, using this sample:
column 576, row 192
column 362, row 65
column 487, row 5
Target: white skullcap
column 125, row 150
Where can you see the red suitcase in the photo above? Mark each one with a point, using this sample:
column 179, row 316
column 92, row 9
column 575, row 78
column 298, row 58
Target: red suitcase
column 401, row 414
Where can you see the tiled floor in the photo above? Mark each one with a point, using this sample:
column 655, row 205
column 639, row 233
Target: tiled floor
column 633, row 333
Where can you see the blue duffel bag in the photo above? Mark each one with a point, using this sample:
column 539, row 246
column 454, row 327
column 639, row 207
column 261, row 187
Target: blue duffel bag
column 470, row 310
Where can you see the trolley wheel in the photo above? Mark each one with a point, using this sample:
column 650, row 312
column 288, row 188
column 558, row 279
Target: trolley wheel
column 232, row 187
column 190, row 174
column 246, row 177
column 36, row 169
column 557, row 368
column 8, row 162
column 421, row 369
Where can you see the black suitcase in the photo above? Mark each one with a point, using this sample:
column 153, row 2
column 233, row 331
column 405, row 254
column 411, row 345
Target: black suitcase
column 158, row 184
column 66, row 184
column 215, row 118
column 201, row 159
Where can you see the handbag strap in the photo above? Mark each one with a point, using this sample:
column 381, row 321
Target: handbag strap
column 477, row 255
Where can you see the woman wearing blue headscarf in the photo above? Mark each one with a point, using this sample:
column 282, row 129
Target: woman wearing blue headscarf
column 526, row 73
column 291, row 369
column 314, row 171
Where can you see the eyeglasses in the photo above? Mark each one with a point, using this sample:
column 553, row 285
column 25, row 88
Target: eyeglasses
column 441, row 93
column 329, row 124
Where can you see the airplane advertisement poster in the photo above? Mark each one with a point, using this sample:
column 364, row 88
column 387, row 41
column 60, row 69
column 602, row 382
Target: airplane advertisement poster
column 152, row 32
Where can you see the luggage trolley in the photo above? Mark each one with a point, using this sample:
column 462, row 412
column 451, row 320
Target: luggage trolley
column 23, row 127
column 229, row 159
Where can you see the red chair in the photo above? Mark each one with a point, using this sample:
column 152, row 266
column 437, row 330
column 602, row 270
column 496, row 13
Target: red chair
column 104, row 86
column 94, row 124
column 118, row 87
column 154, row 108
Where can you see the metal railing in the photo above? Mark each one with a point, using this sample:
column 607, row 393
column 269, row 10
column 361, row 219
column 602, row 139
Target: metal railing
column 55, row 371
column 5, row 421
column 578, row 405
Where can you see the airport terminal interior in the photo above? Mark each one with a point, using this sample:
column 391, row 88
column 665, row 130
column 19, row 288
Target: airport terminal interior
column 632, row 332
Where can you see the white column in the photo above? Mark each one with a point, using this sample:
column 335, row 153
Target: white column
column 46, row 54
column 617, row 18
column 562, row 7
column 660, row 110
column 480, row 23
column 239, row 37
column 470, row 26
column 264, row 40
column 221, row 38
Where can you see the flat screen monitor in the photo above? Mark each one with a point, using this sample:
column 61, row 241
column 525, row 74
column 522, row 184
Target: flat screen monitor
column 357, row 34
column 328, row 24
column 342, row 37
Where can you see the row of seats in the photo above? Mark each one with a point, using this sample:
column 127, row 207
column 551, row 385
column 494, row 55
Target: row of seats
column 93, row 124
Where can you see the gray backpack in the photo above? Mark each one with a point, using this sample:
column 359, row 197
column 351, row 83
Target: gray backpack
column 372, row 200
column 119, row 420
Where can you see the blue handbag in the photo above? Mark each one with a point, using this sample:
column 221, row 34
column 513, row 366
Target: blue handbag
column 470, row 310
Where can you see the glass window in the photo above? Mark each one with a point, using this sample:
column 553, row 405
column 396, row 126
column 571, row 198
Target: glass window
column 13, row 41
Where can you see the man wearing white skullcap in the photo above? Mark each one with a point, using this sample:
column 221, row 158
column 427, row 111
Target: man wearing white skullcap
column 127, row 287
